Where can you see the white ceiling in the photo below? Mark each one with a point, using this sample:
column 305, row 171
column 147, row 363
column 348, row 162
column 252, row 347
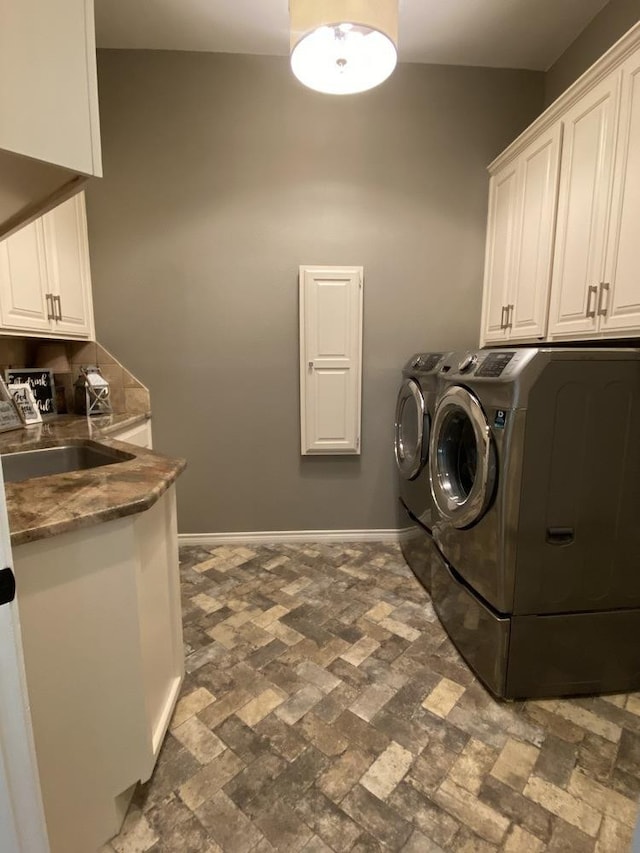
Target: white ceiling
column 496, row 33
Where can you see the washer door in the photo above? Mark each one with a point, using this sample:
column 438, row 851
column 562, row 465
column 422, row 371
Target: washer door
column 462, row 458
column 411, row 430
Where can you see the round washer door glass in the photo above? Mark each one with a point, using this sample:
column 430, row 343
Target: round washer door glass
column 462, row 466
column 411, row 430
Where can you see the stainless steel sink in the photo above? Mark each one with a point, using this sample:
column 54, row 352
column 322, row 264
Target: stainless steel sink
column 27, row 464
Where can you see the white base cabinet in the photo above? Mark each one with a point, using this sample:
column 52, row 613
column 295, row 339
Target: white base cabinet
column 102, row 635
column 140, row 435
column 45, row 280
column 562, row 238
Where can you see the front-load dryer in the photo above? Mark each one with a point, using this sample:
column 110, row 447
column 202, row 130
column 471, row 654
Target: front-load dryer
column 414, row 414
column 535, row 479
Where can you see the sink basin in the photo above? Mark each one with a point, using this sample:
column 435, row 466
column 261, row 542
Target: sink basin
column 27, row 464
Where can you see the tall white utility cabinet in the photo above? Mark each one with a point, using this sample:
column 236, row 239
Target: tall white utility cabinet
column 330, row 359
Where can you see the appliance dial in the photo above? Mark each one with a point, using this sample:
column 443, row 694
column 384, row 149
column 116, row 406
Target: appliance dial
column 468, row 363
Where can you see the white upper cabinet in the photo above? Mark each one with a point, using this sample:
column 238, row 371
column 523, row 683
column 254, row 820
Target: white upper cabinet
column 619, row 298
column 67, row 251
column 499, row 256
column 562, row 259
column 522, row 209
column 330, row 359
column 585, row 192
column 48, row 83
column 45, row 282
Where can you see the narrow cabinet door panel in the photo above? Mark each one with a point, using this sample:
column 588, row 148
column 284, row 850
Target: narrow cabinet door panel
column 67, row 248
column 538, row 193
column 619, row 307
column 585, row 192
column 499, row 252
column 330, row 359
column 23, row 280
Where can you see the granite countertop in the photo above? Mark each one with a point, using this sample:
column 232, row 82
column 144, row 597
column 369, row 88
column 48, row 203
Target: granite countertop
column 47, row 506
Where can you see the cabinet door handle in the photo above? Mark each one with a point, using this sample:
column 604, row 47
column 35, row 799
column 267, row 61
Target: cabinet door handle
column 602, row 309
column 57, row 301
column 51, row 313
column 510, row 310
column 503, row 322
column 593, row 291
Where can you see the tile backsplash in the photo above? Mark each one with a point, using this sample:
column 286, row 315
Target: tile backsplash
column 127, row 393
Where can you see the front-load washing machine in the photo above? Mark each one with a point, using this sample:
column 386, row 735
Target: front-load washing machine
column 535, row 477
column 414, row 414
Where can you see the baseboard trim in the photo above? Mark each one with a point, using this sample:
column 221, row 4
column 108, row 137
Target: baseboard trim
column 288, row 537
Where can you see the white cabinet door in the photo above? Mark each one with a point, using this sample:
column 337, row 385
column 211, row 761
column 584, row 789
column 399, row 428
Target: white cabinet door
column 584, row 198
column 49, row 92
column 538, row 169
column 140, row 435
column 23, row 281
column 330, row 359
column 67, row 252
column 619, row 302
column 499, row 253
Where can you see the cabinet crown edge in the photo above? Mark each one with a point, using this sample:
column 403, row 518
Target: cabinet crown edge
column 607, row 63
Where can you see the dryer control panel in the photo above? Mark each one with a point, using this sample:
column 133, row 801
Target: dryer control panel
column 494, row 364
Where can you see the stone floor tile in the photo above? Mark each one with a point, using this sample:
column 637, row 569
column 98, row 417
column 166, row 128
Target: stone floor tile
column 602, row 799
column 360, row 651
column 258, row 708
column 419, row 843
column 515, row 764
column 614, row 836
column 380, row 821
column 307, row 632
column 234, row 832
column 387, row 770
column 296, row 706
column 317, row 676
column 473, row 765
column 472, row 812
column 201, row 742
column 569, row 839
column 191, row 704
column 518, row 840
column 443, row 697
column 424, row 814
column 327, row 820
column 136, row 835
column 371, row 700
column 564, row 805
column 210, row 779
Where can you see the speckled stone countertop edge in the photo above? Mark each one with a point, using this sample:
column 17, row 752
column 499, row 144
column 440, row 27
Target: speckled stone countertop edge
column 44, row 507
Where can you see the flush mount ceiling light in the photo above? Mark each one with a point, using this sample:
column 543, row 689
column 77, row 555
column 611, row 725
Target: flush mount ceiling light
column 341, row 47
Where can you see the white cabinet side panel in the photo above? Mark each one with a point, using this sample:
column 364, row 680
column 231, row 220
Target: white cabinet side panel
column 621, row 311
column 330, row 359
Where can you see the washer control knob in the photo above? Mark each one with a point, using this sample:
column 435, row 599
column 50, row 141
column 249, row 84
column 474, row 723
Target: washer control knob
column 417, row 362
column 468, row 363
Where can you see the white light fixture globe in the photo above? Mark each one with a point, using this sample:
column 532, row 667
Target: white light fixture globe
column 342, row 47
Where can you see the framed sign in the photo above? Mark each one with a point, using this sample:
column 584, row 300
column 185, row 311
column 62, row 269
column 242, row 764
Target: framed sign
column 25, row 403
column 41, row 383
column 9, row 417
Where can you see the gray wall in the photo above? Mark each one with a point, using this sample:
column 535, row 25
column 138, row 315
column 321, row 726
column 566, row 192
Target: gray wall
column 604, row 30
column 222, row 175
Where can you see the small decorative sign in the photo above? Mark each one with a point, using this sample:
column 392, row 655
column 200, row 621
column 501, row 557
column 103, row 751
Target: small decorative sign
column 9, row 417
column 41, row 383
column 25, row 403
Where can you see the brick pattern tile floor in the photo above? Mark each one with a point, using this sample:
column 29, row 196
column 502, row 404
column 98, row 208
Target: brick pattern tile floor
column 324, row 709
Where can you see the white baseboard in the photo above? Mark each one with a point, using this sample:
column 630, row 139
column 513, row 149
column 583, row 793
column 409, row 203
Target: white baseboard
column 287, row 537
